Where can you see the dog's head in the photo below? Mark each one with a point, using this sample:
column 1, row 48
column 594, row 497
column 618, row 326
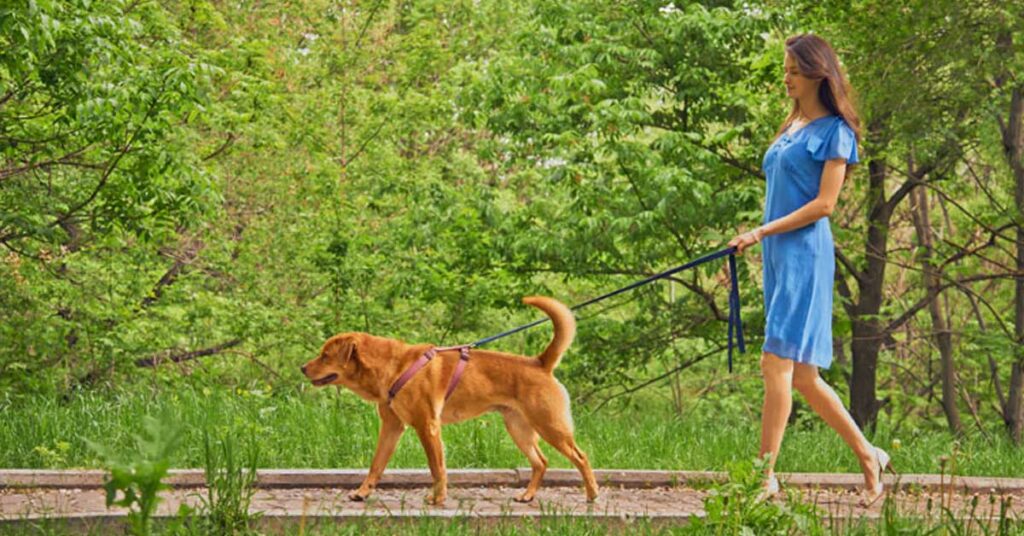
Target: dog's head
column 337, row 354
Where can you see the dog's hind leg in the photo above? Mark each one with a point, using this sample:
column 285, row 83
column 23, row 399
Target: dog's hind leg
column 391, row 428
column 552, row 419
column 565, row 444
column 525, row 437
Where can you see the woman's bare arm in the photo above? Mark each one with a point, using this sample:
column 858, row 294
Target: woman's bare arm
column 831, row 181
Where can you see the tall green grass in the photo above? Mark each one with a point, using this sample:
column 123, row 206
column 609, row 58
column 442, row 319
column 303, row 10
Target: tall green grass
column 334, row 429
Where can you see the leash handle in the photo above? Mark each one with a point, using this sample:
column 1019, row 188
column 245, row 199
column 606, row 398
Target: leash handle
column 734, row 307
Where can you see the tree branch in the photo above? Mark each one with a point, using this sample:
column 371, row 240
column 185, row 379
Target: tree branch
column 682, row 366
column 185, row 356
column 66, row 160
column 845, row 292
column 640, row 199
column 845, row 261
column 223, row 147
column 923, row 302
column 113, row 163
column 364, row 143
column 369, row 18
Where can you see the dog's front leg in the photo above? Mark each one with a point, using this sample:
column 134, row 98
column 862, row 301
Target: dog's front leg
column 391, row 428
column 430, row 435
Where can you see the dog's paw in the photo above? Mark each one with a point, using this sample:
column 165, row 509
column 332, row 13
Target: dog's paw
column 524, row 497
column 434, row 500
column 358, row 495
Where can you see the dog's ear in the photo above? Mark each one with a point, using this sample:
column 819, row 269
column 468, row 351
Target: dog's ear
column 350, row 352
column 344, row 350
column 338, row 352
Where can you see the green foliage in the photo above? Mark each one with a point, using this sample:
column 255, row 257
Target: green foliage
column 97, row 175
column 302, row 430
column 614, row 113
column 91, row 108
column 230, row 485
column 174, row 176
column 733, row 507
column 138, row 476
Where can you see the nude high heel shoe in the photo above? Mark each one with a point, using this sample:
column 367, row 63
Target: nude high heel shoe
column 869, row 497
column 769, row 490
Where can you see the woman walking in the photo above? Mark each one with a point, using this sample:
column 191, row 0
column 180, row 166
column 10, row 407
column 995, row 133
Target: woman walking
column 805, row 167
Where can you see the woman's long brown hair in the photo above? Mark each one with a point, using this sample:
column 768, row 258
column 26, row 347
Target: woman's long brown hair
column 817, row 61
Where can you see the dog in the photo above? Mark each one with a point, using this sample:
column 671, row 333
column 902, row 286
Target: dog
column 522, row 389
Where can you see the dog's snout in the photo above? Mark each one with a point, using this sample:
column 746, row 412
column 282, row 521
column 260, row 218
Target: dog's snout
column 303, row 369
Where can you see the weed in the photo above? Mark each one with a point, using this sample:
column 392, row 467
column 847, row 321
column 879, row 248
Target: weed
column 139, row 478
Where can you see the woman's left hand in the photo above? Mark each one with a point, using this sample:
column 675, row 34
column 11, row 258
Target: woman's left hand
column 746, row 239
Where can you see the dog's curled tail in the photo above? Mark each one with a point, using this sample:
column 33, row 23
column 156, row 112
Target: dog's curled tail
column 565, row 329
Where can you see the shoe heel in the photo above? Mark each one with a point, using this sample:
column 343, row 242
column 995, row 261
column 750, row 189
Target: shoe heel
column 769, row 489
column 884, row 462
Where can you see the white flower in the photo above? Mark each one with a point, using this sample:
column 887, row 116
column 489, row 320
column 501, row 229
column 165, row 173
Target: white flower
column 753, row 11
column 670, row 8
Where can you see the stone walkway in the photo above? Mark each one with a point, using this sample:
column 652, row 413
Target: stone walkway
column 660, row 496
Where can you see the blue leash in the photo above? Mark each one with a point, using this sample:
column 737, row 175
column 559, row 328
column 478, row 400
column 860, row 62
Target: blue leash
column 734, row 300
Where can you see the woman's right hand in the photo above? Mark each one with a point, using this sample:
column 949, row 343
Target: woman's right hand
column 746, row 239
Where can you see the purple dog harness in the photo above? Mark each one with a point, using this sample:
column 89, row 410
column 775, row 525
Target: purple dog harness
column 422, row 362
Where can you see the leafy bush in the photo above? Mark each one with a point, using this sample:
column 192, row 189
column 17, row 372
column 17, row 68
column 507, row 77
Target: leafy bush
column 733, row 507
column 139, row 479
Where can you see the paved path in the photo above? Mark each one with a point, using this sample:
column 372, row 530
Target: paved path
column 661, row 496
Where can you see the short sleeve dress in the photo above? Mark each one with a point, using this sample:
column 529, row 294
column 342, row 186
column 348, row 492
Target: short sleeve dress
column 799, row 265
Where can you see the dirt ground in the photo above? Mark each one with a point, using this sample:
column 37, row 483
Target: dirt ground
column 667, row 503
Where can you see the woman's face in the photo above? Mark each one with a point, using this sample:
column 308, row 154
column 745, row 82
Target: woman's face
column 797, row 86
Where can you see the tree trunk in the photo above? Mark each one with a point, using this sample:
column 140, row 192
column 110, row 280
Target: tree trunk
column 940, row 330
column 866, row 327
column 1013, row 143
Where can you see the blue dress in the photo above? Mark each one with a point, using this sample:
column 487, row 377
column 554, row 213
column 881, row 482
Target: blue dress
column 799, row 265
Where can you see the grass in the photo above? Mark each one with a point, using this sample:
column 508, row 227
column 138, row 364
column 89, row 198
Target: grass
column 307, row 428
column 334, row 429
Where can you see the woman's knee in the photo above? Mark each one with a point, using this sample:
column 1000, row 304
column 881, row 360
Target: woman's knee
column 805, row 377
column 775, row 367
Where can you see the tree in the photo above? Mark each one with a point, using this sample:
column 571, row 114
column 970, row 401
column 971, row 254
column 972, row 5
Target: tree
column 91, row 98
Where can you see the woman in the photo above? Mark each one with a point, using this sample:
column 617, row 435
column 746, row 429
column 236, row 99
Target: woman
column 805, row 167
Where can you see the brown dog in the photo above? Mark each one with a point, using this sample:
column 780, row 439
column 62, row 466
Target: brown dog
column 522, row 389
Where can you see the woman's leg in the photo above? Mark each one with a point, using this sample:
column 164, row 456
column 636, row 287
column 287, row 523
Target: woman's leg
column 778, row 402
column 826, row 403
